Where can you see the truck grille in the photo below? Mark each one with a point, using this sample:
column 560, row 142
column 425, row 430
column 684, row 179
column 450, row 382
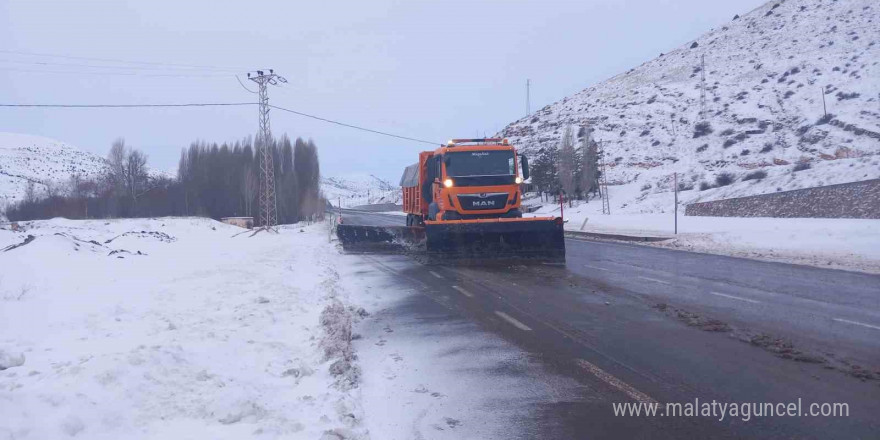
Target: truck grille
column 475, row 202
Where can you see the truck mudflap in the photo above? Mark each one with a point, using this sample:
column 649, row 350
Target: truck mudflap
column 379, row 239
column 539, row 239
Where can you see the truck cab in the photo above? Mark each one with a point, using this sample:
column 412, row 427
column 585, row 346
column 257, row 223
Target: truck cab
column 469, row 179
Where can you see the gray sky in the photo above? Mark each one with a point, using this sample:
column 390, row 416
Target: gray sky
column 429, row 70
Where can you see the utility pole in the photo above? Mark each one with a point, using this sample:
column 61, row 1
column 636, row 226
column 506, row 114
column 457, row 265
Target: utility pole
column 675, row 185
column 268, row 202
column 824, row 109
column 702, row 87
column 603, row 186
column 528, row 104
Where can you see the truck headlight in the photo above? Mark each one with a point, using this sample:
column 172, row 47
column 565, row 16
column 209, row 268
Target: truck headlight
column 518, row 180
column 448, row 183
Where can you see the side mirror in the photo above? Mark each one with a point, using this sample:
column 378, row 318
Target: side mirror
column 524, row 164
column 431, row 166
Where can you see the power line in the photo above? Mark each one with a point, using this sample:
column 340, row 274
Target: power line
column 213, row 104
column 113, row 60
column 220, row 104
column 353, row 126
column 117, row 67
column 75, row 72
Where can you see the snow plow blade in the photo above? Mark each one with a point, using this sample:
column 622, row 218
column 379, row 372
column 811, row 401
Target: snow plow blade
column 539, row 239
column 381, row 239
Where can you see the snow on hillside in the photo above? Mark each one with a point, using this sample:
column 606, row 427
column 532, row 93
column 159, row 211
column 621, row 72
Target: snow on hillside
column 359, row 189
column 765, row 75
column 41, row 160
column 153, row 328
column 48, row 163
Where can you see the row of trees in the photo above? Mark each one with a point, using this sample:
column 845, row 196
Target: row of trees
column 573, row 171
column 212, row 181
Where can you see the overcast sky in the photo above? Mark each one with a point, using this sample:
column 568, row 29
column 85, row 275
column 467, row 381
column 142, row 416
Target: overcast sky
column 429, row 70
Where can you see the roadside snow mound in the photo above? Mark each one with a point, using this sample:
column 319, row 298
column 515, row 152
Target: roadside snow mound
column 201, row 333
column 8, row 360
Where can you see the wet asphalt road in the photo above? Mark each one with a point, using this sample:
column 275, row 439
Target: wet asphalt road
column 632, row 322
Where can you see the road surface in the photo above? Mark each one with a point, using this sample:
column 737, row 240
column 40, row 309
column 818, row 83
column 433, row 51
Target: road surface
column 636, row 323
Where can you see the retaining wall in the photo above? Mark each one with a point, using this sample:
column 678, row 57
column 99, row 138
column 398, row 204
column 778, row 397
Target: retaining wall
column 846, row 200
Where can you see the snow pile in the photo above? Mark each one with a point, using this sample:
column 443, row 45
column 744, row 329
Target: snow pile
column 766, row 73
column 852, row 244
column 359, row 189
column 174, row 328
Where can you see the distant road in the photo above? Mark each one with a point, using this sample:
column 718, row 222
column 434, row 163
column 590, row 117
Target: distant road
column 631, row 320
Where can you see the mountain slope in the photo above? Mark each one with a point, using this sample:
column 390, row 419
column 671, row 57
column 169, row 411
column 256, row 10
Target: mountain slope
column 766, row 73
column 359, row 189
column 41, row 160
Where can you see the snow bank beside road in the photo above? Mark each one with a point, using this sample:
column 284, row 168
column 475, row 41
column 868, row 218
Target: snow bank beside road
column 850, row 244
column 173, row 328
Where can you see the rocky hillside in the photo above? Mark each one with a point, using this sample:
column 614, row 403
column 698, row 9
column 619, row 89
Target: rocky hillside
column 359, row 189
column 46, row 162
column 763, row 128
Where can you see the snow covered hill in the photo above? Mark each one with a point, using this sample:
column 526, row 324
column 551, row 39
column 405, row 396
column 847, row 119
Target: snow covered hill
column 359, row 189
column 41, row 160
column 766, row 73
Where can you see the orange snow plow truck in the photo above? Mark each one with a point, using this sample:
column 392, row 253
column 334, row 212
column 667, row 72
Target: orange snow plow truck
column 463, row 201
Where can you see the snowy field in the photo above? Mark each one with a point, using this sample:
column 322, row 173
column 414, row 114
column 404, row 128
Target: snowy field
column 850, row 244
column 187, row 328
column 174, row 328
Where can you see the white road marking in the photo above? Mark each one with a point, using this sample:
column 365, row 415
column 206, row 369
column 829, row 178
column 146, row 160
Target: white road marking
column 436, row 274
column 735, row 297
column 856, row 323
column 635, row 394
column 655, row 280
column 513, row 321
column 463, row 292
column 594, row 267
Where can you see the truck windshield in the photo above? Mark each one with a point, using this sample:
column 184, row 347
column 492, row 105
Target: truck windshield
column 480, row 163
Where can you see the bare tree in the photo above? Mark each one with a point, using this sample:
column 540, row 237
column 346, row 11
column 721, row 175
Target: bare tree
column 589, row 165
column 136, row 176
column 30, row 191
column 116, row 160
column 567, row 164
column 248, row 189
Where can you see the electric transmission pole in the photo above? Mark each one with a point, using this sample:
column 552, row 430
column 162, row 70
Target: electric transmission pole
column 268, row 203
column 528, row 104
column 603, row 185
column 702, row 87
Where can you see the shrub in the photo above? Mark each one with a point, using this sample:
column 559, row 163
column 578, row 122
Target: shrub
column 702, row 129
column 705, row 185
column 724, row 179
column 726, row 132
column 684, row 186
column 755, row 175
column 646, row 187
column 729, row 143
column 843, row 96
column 744, row 153
column 702, row 148
column 801, row 166
column 825, row 119
column 644, row 133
